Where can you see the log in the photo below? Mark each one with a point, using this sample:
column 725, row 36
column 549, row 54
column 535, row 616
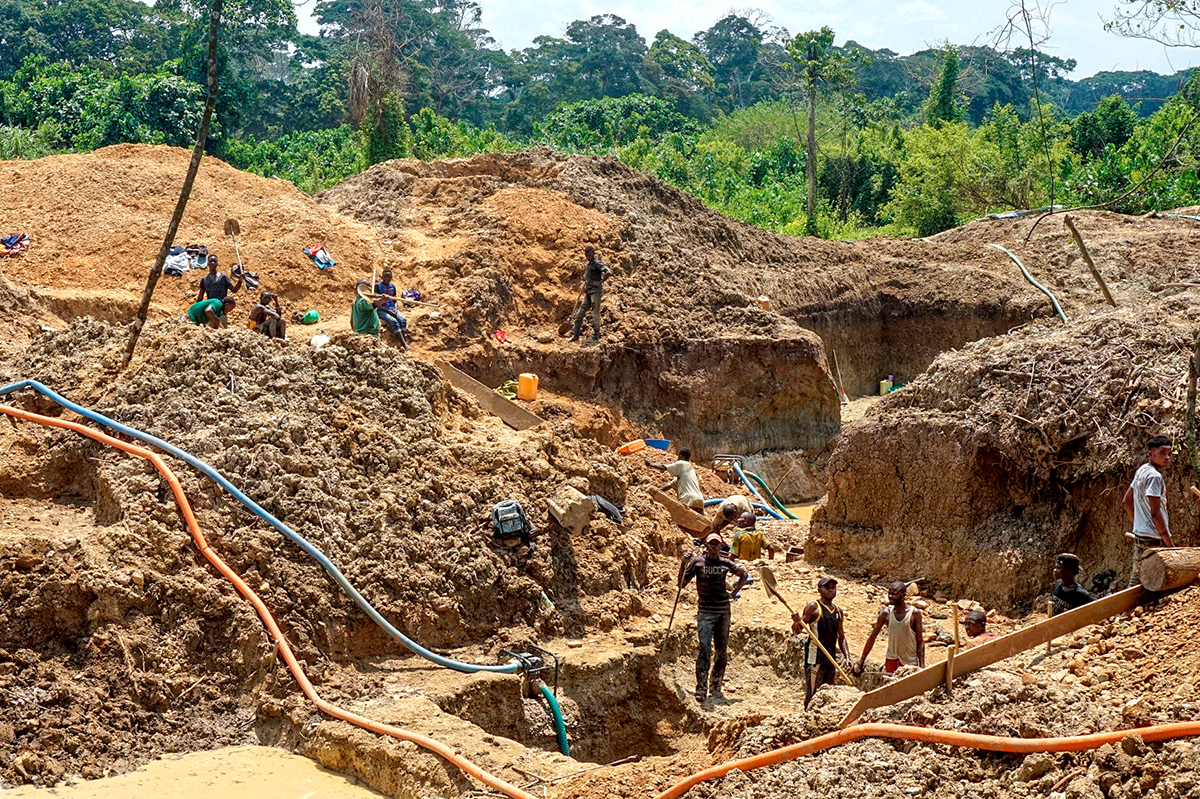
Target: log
column 1168, row 569
column 681, row 514
column 1088, row 258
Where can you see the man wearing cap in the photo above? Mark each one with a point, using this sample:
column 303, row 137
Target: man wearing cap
column 733, row 507
column 712, row 620
column 1066, row 593
column 828, row 620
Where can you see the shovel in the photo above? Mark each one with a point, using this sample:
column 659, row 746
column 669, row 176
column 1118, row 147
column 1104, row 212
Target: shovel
column 768, row 580
column 233, row 230
column 566, row 326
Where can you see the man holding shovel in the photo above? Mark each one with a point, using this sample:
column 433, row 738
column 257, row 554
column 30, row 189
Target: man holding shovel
column 712, row 620
column 826, row 619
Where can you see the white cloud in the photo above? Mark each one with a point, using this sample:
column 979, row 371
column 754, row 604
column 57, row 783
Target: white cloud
column 918, row 11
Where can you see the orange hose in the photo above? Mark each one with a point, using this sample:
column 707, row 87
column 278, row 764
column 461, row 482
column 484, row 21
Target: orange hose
column 268, row 620
column 991, row 743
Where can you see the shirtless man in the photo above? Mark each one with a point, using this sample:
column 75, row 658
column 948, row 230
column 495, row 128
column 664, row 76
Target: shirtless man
column 906, row 629
column 975, row 623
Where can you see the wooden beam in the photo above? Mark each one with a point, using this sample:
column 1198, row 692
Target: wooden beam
column 976, row 658
column 1088, row 257
column 509, row 412
column 950, row 670
column 681, row 514
column 1166, row 569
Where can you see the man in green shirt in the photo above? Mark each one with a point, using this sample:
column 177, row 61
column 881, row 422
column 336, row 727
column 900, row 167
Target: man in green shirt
column 211, row 312
column 364, row 314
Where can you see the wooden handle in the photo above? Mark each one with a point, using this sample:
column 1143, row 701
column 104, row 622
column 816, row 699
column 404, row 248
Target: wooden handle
column 825, row 651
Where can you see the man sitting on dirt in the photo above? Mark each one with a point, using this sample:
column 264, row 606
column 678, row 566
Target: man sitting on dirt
column 975, row 623
column 906, row 633
column 593, row 286
column 387, row 311
column 217, row 285
column 733, row 507
column 1066, row 593
column 712, row 619
column 748, row 543
column 1145, row 504
column 828, row 620
column 267, row 320
column 686, row 484
column 364, row 314
column 211, row 312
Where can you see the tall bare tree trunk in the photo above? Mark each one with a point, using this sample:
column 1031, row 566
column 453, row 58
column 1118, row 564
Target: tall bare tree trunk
column 810, row 224
column 214, row 24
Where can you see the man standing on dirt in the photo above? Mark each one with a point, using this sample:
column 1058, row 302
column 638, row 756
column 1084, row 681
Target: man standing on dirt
column 686, row 484
column 1145, row 503
column 593, row 286
column 828, row 620
column 712, row 620
column 733, row 507
column 217, row 285
column 387, row 311
column 906, row 633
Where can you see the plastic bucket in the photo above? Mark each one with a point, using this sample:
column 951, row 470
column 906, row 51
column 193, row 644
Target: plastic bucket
column 527, row 385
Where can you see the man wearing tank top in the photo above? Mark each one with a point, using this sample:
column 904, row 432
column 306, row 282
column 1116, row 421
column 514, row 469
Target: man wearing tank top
column 906, row 633
column 1145, row 503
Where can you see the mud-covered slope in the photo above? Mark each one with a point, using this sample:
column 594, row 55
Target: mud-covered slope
column 1010, row 450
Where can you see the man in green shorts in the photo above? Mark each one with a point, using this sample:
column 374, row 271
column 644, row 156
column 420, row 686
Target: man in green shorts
column 211, row 312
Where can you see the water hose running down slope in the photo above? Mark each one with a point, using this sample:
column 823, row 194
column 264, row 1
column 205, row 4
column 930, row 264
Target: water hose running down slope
column 737, row 469
column 281, row 644
column 505, row 668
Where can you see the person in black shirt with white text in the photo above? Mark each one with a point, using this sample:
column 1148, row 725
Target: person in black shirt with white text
column 712, row 619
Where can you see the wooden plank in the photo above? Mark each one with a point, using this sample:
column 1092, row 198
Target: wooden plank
column 976, row 658
column 681, row 514
column 509, row 412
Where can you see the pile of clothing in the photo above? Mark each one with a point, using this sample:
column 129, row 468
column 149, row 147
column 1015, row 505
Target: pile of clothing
column 181, row 259
column 13, row 245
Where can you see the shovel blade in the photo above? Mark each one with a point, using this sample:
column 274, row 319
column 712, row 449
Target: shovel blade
column 232, row 228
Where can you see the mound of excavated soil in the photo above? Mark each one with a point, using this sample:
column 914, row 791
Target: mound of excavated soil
column 96, row 222
column 369, row 455
column 1012, row 449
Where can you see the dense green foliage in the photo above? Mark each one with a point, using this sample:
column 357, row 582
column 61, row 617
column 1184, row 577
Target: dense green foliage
column 792, row 133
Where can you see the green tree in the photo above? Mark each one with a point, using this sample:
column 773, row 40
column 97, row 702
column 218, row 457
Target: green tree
column 1112, row 122
column 687, row 74
column 734, row 46
column 818, row 67
column 942, row 105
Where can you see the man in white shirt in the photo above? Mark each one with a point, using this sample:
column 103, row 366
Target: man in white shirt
column 686, row 484
column 1145, row 503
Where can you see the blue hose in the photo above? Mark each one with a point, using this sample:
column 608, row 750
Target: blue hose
column 756, row 505
column 737, row 469
column 560, row 727
column 507, row 668
column 1033, row 282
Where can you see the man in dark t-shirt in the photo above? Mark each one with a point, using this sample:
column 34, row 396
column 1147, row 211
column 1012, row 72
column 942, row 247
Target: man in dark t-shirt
column 712, row 620
column 217, row 285
column 1066, row 593
column 593, row 287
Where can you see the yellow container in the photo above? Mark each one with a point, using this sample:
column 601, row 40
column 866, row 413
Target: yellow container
column 764, row 302
column 527, row 387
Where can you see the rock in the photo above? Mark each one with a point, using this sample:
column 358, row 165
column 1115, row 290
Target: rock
column 1132, row 653
column 1035, row 766
column 1134, row 746
column 574, row 644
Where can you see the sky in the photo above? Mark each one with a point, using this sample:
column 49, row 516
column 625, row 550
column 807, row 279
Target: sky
column 904, row 26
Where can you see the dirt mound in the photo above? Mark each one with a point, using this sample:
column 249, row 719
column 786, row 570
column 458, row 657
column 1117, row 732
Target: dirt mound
column 1012, row 449
column 96, row 222
column 370, row 456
